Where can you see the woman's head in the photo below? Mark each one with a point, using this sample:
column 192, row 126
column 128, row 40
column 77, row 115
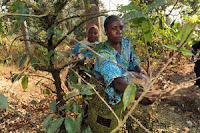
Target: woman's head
column 114, row 28
column 93, row 33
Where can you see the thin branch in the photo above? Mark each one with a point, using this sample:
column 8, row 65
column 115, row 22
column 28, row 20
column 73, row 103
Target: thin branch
column 41, row 77
column 13, row 42
column 36, row 41
column 25, row 15
column 67, row 64
column 79, row 16
column 172, row 9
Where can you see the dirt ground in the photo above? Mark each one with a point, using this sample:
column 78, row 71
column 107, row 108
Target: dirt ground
column 178, row 111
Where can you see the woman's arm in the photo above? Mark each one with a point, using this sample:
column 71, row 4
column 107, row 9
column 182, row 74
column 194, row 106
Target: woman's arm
column 120, row 84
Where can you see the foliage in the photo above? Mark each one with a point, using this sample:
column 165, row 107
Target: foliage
column 150, row 27
column 129, row 95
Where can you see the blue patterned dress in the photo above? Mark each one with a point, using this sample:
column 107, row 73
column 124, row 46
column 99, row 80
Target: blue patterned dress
column 82, row 48
column 106, row 69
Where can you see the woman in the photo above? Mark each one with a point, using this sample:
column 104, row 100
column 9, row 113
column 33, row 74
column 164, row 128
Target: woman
column 115, row 58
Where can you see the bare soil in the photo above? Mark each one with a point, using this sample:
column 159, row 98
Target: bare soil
column 178, row 111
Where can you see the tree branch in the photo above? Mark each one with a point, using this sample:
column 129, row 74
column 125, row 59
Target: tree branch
column 75, row 27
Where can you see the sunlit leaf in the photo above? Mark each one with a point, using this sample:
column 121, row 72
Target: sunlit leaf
column 3, row 102
column 129, row 95
column 186, row 30
column 173, row 47
column 186, row 52
column 47, row 121
column 146, row 27
column 24, row 82
column 55, row 125
column 148, row 36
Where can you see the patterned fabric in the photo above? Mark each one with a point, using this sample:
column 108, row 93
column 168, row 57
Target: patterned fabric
column 106, row 66
column 81, row 48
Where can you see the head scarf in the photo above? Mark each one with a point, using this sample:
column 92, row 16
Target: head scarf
column 89, row 27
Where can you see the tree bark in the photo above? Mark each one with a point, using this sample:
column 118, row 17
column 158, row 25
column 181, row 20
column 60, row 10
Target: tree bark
column 59, row 91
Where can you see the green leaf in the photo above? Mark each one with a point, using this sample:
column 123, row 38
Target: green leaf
column 132, row 15
column 129, row 95
column 52, row 106
column 33, row 102
column 71, row 125
column 71, row 94
column 146, row 27
column 42, row 101
column 173, row 47
column 3, row 102
column 19, row 7
column 46, row 91
column 84, row 89
column 24, row 82
column 87, row 130
column 138, row 21
column 186, row 52
column 130, row 7
column 156, row 4
column 47, row 121
column 58, row 33
column 148, row 36
column 55, row 125
column 74, row 107
column 187, row 28
column 34, row 63
column 49, row 54
column 23, row 60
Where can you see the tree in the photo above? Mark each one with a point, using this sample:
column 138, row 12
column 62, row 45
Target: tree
column 41, row 24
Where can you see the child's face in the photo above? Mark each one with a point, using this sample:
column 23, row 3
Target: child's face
column 114, row 31
column 93, row 34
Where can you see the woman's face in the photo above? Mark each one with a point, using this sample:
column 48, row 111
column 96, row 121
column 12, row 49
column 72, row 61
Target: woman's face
column 114, row 31
column 93, row 34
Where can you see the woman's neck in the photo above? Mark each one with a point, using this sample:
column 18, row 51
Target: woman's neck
column 116, row 46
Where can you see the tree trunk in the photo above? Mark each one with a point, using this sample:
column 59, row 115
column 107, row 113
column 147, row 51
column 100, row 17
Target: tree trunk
column 59, row 91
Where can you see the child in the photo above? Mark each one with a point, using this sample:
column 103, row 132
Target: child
column 92, row 38
column 114, row 52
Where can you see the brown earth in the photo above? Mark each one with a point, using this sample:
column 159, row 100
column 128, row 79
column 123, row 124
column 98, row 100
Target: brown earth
column 178, row 111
